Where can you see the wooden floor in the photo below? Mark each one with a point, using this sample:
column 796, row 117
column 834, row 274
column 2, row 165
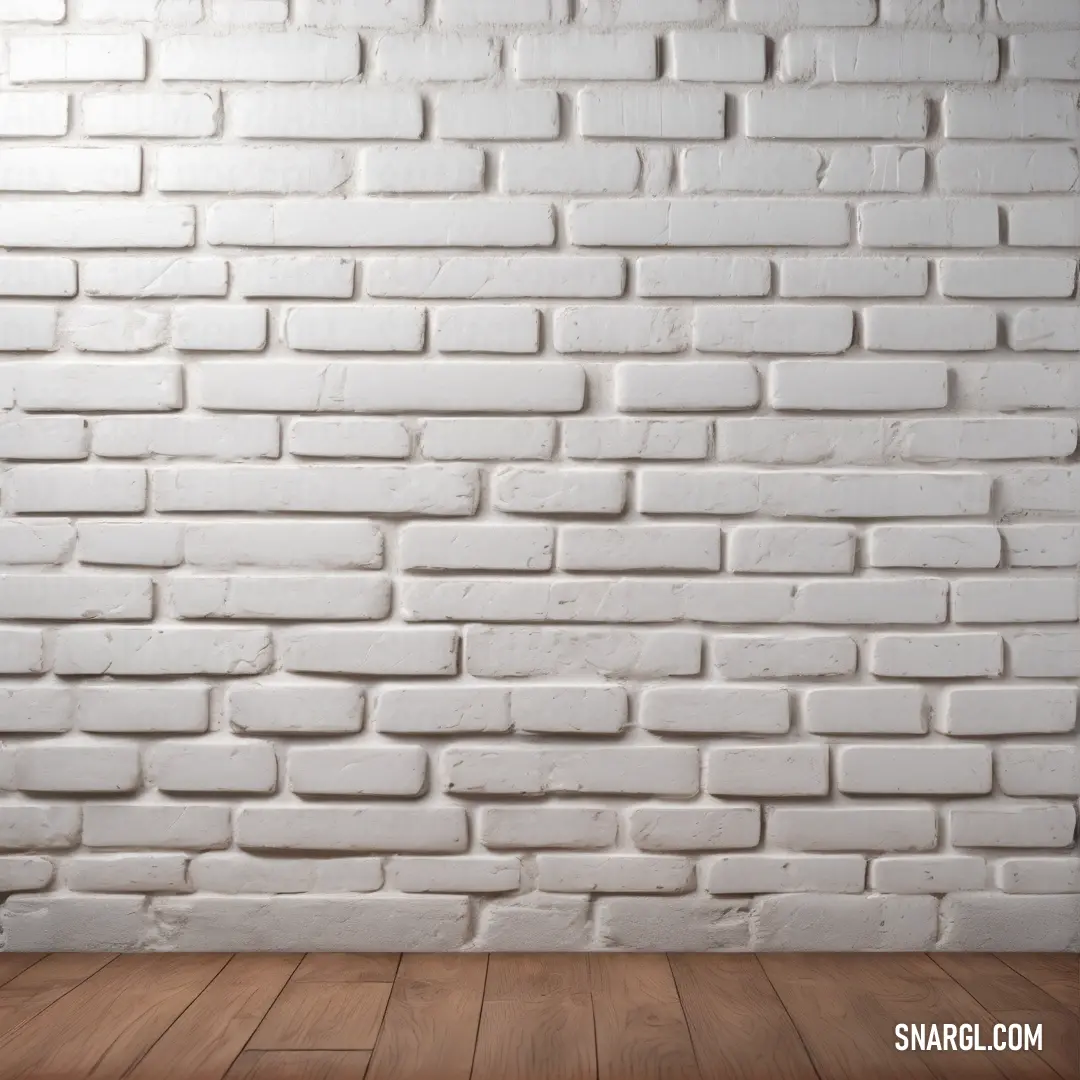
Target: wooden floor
column 456, row 1017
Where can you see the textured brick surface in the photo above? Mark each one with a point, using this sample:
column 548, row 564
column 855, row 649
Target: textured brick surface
column 581, row 474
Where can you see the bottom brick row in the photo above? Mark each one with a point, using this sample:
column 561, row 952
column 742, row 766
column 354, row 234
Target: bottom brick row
column 792, row 922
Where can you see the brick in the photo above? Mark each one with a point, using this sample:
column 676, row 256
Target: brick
column 172, row 826
column 171, row 651
column 1012, row 824
column 559, row 491
column 230, row 873
column 352, row 829
column 734, row 710
column 585, row 55
column 419, row 169
column 432, row 58
column 767, row 657
column 703, row 275
column 35, row 710
column 751, row 874
column 127, row 874
column 931, row 874
column 950, row 223
column 36, row 112
column 919, row 770
column 647, row 112
column 478, row 874
column 858, row 386
column 295, row 708
column 666, row 829
column 378, row 771
column 77, row 58
column 988, row 277
column 768, row 771
column 937, row 547
column 1032, row 111
column 335, row 545
column 774, row 329
column 142, row 710
column 864, row 828
column 614, row 873
column 1038, row 769
column 79, row 224
column 477, row 547
column 717, row 57
column 151, row 114
column 786, row 549
column 840, row 922
column 507, row 827
column 371, row 652
column 485, row 439
column 260, row 56
column 856, row 710
column 827, row 113
column 71, row 768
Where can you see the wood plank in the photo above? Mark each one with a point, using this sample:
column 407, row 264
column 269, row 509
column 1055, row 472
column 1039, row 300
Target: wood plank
column 431, row 1022
column 347, row 967
column 537, row 1019
column 12, row 964
column 641, row 1033
column 43, row 983
column 100, row 1029
column 1056, row 973
column 300, row 1065
column 206, row 1039
column 323, row 1016
column 1012, row 999
column 739, row 1027
column 846, row 1033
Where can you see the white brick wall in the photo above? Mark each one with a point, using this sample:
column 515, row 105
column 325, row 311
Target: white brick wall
column 523, row 459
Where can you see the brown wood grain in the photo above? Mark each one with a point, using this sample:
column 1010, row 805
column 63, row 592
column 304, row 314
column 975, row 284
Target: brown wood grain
column 738, row 1025
column 300, row 1065
column 105, row 1025
column 848, row 1035
column 1012, row 999
column 43, row 983
column 431, row 1021
column 12, row 964
column 205, row 1040
column 1056, row 973
column 323, row 1016
column 641, row 1033
column 347, row 967
column 537, row 1020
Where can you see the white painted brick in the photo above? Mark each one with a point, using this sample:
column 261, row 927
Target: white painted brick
column 709, row 223
column 114, row 328
column 647, row 112
column 1010, row 385
column 693, row 387
column 702, row 275
column 44, row 438
column 75, row 597
column 169, row 12
column 858, row 386
column 960, row 547
column 559, row 491
column 212, row 766
column 256, row 56
column 26, row 827
column 1040, row 769
column 665, row 829
column 855, row 56
column 35, row 542
column 366, row 829
column 171, row 826
column 1032, row 111
column 31, row 276
column 507, row 827
column 21, row 652
column 212, row 328
column 1038, row 329
column 773, row 168
column 81, row 224
column 870, row 277
column 432, row 58
column 377, row 771
column 370, row 14
column 329, row 597
column 234, row 874
column 394, row 652
column 525, row 170
column 742, row 710
column 907, row 770
column 568, row 710
column 938, row 329
column 614, row 873
column 774, row 329
column 27, row 329
column 931, row 874
column 799, row 921
column 418, row 169
column 35, row 710
column 71, row 489
column 151, row 277
column 151, row 114
column 856, row 710
column 171, row 651
column 25, row 873
column 324, row 112
column 486, row 329
column 585, row 55
column 1042, row 545
column 45, row 11
column 421, row 711
column 284, row 544
column 959, row 223
column 295, row 708
column 646, row 547
column 650, row 770
column 358, row 329
column 645, row 13
column 71, row 768
column 786, row 113
column 100, row 387
column 250, row 170
column 226, row 439
column 862, row 828
column 620, row 329
column 127, row 874
column 494, row 652
column 1044, row 55
column 29, row 113
column 766, row 657
column 1012, row 824
column 989, row 600
column 786, row 549
column 295, row 276
column 768, row 771
column 937, row 656
column 988, row 277
column 717, row 57
column 69, row 169
column 546, row 923
column 697, row 492
column 876, row 169
column 497, row 114
column 805, row 12
column 478, row 874
column 472, row 13
column 142, row 710
column 750, row 874
column 1007, row 169
column 477, row 547
column 487, row 439
column 1045, row 654
column 599, row 440
column 693, row 924
column 77, row 58
column 1044, row 223
column 1039, row 875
